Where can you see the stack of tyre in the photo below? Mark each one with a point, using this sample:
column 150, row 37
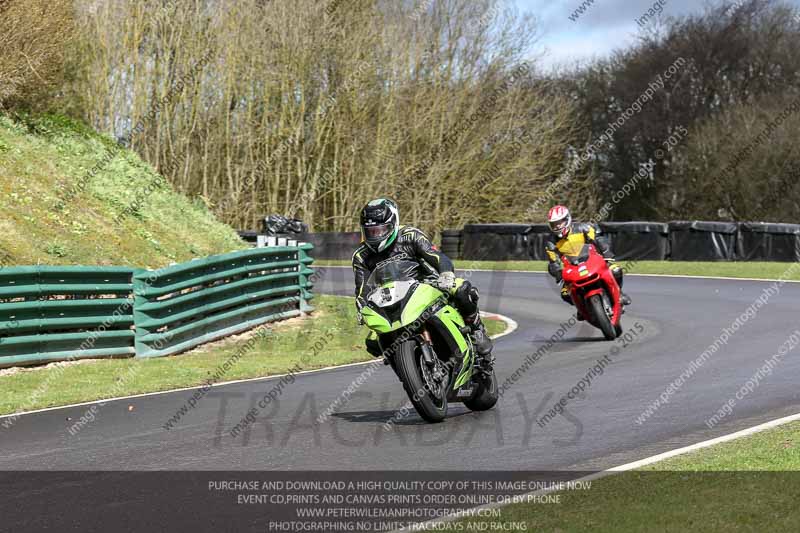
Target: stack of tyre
column 451, row 243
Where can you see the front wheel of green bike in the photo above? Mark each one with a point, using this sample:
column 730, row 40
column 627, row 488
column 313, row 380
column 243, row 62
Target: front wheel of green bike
column 426, row 388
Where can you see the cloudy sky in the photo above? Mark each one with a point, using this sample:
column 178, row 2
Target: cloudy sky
column 605, row 25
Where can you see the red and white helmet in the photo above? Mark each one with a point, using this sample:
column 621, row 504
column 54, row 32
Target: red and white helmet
column 559, row 220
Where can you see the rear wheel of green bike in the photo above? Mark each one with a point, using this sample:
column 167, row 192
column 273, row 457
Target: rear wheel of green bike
column 486, row 395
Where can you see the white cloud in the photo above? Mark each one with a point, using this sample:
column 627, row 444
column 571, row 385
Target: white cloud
column 603, row 27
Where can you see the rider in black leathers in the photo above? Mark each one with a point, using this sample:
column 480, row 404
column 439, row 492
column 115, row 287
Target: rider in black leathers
column 385, row 238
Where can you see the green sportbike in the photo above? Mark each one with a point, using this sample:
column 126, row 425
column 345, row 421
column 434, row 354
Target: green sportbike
column 425, row 341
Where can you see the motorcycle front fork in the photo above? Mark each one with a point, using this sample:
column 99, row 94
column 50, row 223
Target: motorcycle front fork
column 427, row 347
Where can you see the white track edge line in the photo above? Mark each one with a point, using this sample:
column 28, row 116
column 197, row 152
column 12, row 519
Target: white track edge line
column 619, row 469
column 511, row 326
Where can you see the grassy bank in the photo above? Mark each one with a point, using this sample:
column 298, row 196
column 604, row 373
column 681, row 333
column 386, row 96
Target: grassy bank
column 71, row 196
column 330, row 337
column 750, row 484
column 755, row 270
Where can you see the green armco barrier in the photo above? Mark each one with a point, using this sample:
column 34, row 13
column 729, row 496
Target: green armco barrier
column 65, row 313
column 181, row 306
column 62, row 313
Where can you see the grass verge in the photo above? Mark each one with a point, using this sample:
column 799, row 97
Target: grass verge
column 494, row 326
column 755, row 270
column 331, row 337
column 750, row 484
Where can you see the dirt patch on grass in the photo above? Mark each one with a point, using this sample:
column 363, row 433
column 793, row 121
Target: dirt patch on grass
column 18, row 369
column 247, row 335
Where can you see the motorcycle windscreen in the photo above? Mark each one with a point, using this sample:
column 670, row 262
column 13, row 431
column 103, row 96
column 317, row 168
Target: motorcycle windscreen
column 387, row 287
column 395, row 292
column 576, row 269
column 582, row 255
column 389, row 272
column 391, row 293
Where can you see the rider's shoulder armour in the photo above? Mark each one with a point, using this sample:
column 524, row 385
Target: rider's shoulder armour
column 587, row 228
column 410, row 233
column 360, row 254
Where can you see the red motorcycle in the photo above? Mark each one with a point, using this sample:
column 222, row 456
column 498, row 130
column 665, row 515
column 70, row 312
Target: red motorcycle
column 594, row 290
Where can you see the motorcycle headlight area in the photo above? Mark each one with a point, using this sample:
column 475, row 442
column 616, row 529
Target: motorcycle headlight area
column 388, row 296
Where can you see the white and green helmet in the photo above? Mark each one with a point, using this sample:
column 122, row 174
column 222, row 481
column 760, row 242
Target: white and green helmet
column 380, row 223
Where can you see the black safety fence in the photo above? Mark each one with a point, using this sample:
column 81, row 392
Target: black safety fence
column 333, row 245
column 537, row 236
column 498, row 242
column 761, row 241
column 637, row 240
column 503, row 242
column 702, row 241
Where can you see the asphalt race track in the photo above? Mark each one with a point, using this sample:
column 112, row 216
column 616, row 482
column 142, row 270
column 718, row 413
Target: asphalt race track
column 672, row 321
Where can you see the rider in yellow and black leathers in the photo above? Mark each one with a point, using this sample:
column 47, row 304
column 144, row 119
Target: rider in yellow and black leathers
column 568, row 240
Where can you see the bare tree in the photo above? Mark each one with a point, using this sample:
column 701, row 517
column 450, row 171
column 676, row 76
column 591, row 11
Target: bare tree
column 311, row 108
column 34, row 35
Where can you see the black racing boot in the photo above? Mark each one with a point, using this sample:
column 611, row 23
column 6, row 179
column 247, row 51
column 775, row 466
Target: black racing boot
column 480, row 339
column 487, row 361
column 623, row 298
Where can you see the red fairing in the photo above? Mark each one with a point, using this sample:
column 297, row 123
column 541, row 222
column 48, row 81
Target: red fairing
column 589, row 278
